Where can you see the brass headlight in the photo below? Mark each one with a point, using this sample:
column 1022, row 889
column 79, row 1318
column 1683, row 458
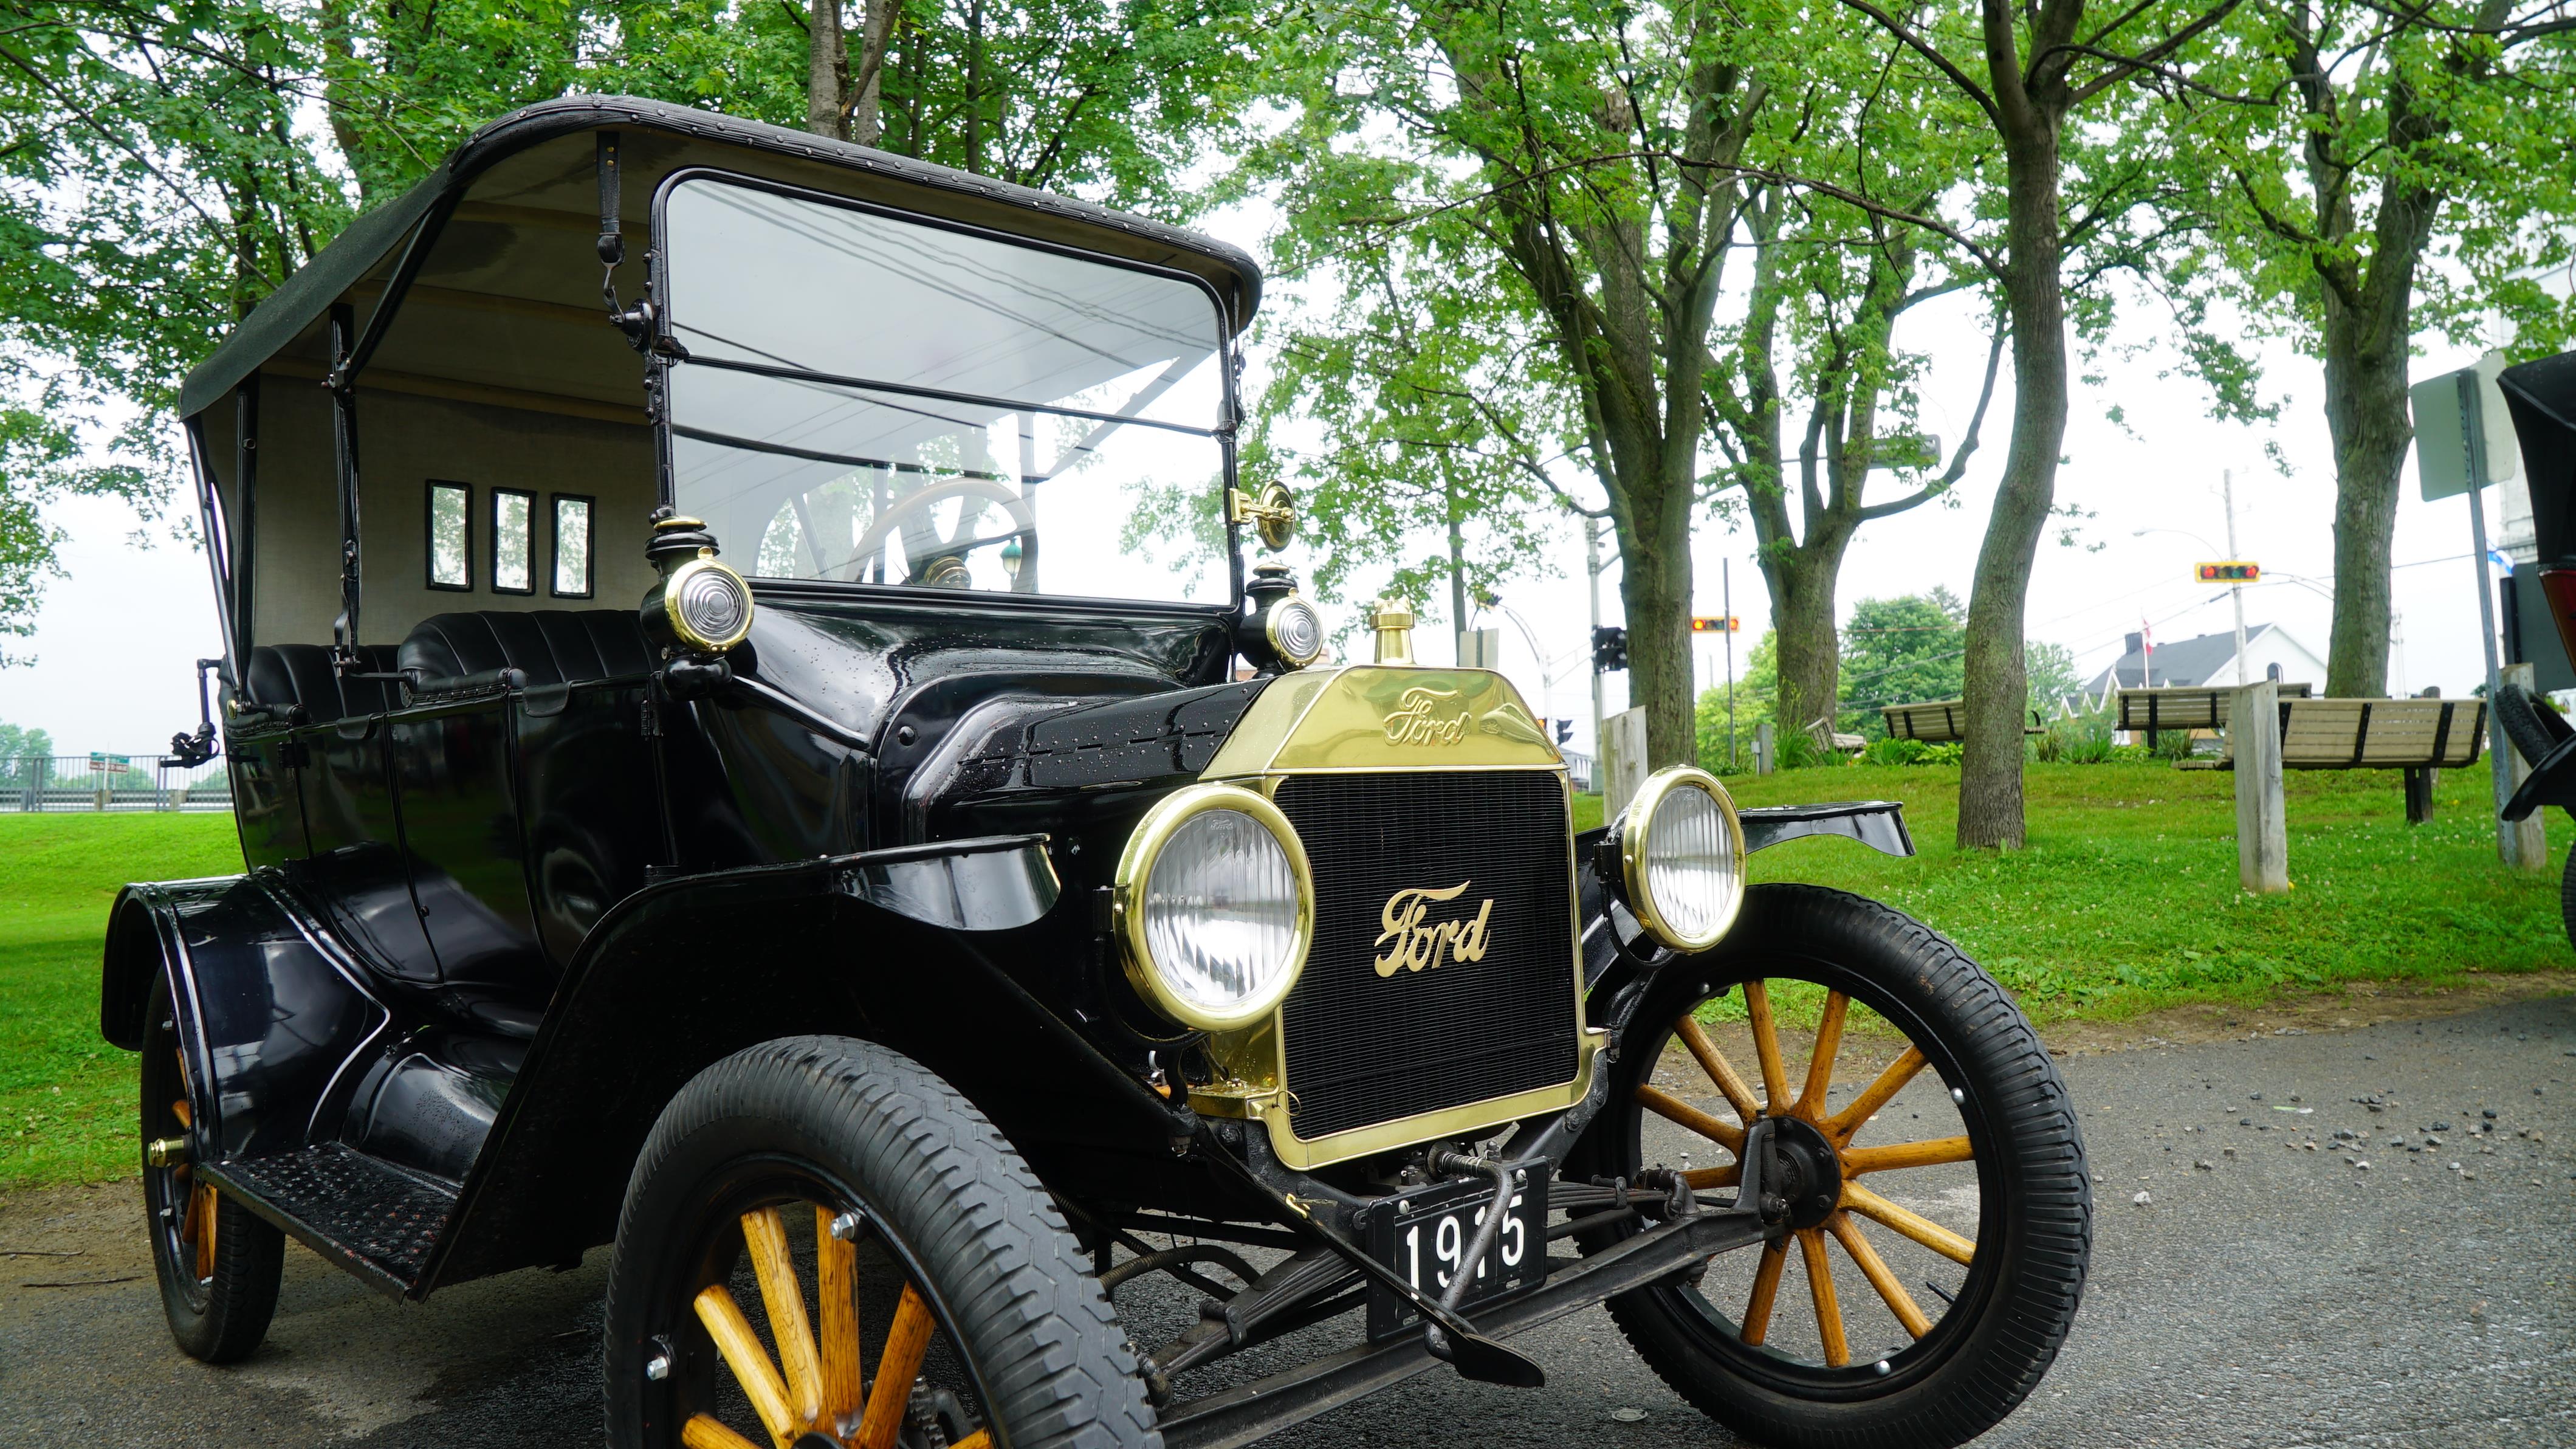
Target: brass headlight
column 1214, row 906
column 1295, row 632
column 707, row 605
column 1679, row 851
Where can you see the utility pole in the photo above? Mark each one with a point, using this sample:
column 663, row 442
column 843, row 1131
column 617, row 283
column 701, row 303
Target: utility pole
column 1726, row 606
column 1592, row 565
column 2499, row 749
column 2227, row 485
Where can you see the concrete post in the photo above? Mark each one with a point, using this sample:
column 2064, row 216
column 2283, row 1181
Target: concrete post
column 2522, row 844
column 1762, row 762
column 2262, row 839
column 1623, row 760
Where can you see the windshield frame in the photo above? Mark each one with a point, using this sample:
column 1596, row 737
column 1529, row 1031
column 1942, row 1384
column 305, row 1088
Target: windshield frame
column 665, row 351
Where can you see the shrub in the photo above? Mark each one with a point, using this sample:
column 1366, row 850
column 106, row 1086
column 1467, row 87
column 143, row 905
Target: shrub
column 1893, row 752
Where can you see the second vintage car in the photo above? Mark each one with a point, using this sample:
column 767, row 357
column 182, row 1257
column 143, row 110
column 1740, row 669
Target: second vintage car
column 720, row 774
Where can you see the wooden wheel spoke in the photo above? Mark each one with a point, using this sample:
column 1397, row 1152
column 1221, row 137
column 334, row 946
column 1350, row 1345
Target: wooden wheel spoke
column 907, row 1341
column 740, row 1348
column 1930, row 1234
column 836, row 1282
column 1738, row 1095
column 1820, row 1062
column 1727, row 1176
column 702, row 1432
column 197, row 1228
column 1766, row 1045
column 784, row 1298
column 1673, row 1109
column 179, row 1109
column 1766, row 1289
column 1843, row 1124
column 1820, row 1288
column 1897, row 1155
column 1874, row 1268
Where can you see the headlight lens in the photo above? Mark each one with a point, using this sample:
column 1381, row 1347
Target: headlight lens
column 1296, row 632
column 709, row 605
column 1216, row 907
column 1681, row 856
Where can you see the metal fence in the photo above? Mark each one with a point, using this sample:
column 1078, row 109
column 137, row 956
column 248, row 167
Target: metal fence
column 111, row 782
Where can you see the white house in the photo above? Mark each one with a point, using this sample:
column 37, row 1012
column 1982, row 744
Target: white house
column 2211, row 659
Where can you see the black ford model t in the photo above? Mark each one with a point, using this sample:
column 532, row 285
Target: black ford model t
column 925, row 916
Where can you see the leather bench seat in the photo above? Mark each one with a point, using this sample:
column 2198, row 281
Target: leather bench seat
column 300, row 675
column 549, row 646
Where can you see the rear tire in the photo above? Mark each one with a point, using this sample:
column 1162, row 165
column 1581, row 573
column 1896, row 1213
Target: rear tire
column 2567, row 896
column 218, row 1316
column 1987, row 1342
column 808, row 1128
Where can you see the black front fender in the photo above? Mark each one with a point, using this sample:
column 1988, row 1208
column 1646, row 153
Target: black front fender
column 884, row 946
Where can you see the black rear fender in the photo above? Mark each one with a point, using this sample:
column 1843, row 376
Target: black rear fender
column 269, row 1010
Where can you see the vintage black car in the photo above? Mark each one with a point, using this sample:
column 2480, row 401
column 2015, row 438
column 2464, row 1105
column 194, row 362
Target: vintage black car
column 924, row 917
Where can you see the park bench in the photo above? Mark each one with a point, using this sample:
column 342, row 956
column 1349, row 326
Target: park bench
column 1936, row 721
column 2183, row 707
column 2419, row 736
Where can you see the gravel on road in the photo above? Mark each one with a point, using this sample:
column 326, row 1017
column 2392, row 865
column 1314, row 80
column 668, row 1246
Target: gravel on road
column 2355, row 1238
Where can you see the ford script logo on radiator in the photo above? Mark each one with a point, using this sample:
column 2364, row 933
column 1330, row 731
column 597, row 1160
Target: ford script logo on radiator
column 1413, row 944
column 1421, row 718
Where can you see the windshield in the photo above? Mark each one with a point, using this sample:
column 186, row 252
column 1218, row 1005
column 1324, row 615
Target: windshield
column 871, row 400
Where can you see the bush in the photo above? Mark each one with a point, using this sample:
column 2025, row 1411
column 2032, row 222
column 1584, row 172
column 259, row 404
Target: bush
column 1893, row 752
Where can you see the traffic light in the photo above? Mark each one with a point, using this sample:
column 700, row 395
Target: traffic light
column 1564, row 732
column 2232, row 571
column 1609, row 649
column 1716, row 624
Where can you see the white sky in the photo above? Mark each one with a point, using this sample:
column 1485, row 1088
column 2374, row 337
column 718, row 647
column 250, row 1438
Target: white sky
column 115, row 640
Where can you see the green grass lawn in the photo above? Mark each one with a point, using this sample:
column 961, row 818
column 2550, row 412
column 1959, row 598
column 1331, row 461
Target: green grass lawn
column 2126, row 899
column 67, row 1108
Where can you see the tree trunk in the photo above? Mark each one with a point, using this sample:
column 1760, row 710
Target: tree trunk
column 827, row 72
column 1802, row 590
column 2366, row 414
column 1997, row 685
column 1655, row 592
column 867, row 124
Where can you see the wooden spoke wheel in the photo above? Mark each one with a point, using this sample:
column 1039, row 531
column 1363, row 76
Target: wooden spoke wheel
column 843, row 1354
column 218, row 1265
column 1934, row 1216
column 825, row 1247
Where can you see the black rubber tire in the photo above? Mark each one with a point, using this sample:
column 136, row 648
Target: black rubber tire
column 2567, row 896
column 221, row 1319
column 2534, row 728
column 987, row 1245
column 2036, row 1231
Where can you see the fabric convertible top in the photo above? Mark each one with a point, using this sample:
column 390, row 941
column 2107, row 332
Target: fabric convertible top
column 2542, row 398
column 359, row 259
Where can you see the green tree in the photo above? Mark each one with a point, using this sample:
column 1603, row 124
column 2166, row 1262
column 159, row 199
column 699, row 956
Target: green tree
column 1902, row 651
column 1757, row 696
column 2369, row 173
column 2052, row 88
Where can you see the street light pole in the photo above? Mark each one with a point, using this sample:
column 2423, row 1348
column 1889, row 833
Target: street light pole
column 2227, row 486
column 1592, row 565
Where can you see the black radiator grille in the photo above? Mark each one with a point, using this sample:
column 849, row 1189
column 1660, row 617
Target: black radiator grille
column 1363, row 1048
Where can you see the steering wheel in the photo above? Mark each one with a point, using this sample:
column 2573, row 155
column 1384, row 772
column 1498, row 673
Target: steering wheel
column 924, row 564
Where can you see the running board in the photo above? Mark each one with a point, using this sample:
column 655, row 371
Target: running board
column 1247, row 1412
column 375, row 1220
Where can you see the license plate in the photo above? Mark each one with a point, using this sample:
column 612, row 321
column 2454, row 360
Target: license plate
column 1424, row 1236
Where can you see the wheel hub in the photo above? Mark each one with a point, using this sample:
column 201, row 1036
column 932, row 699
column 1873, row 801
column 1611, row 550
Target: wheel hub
column 1810, row 1172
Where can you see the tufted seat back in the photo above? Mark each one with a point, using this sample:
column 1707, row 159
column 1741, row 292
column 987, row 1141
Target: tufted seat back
column 550, row 646
column 301, row 675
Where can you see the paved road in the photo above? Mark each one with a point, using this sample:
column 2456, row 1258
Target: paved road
column 2280, row 1297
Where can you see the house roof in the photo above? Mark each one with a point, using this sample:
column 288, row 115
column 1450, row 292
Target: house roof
column 2184, row 661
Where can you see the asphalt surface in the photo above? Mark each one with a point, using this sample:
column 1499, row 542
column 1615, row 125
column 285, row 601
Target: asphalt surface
column 2279, row 1296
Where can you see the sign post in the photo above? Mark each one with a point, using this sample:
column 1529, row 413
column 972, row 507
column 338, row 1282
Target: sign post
column 2463, row 442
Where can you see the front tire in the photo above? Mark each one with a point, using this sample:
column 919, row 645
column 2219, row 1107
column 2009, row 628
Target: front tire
column 840, row 1173
column 1986, row 1138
